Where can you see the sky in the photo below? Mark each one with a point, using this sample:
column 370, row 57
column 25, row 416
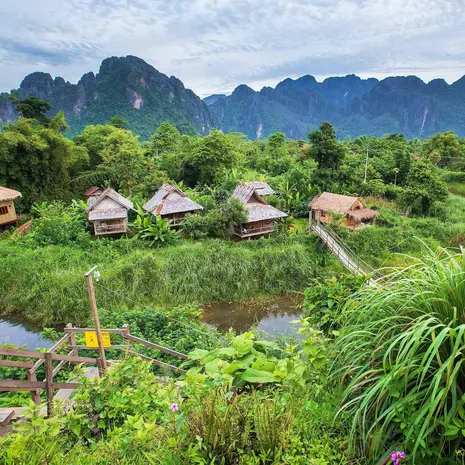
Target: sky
column 215, row 45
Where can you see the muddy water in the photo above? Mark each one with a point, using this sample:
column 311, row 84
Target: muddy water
column 21, row 333
column 272, row 314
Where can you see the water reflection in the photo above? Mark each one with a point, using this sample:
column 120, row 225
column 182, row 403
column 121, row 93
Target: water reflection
column 273, row 315
column 21, row 333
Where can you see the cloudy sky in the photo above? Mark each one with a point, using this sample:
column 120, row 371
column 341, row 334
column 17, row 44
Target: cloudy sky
column 214, row 45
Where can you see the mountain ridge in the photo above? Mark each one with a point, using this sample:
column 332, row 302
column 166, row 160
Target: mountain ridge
column 134, row 90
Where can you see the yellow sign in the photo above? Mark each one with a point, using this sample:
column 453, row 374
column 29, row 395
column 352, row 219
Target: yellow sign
column 92, row 341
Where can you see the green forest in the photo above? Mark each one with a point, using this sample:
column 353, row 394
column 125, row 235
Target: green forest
column 375, row 374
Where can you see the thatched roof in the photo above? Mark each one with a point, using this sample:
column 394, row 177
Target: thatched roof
column 257, row 208
column 113, row 195
column 362, row 214
column 261, row 187
column 335, row 202
column 170, row 199
column 8, row 194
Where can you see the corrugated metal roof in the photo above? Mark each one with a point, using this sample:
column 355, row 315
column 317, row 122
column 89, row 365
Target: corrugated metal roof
column 8, row 194
column 261, row 187
column 161, row 204
column 109, row 192
column 92, row 191
column 244, row 193
column 108, row 214
column 263, row 212
column 335, row 202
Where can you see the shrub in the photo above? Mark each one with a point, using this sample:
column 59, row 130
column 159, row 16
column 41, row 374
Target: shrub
column 400, row 361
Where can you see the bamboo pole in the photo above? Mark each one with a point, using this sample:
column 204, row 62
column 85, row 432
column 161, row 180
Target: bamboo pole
column 93, row 304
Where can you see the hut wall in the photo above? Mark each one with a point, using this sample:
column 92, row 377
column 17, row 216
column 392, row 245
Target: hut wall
column 107, row 203
column 116, row 226
column 7, row 212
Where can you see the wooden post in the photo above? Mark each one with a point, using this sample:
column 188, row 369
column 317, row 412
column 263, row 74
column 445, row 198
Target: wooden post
column 31, row 376
column 49, row 381
column 310, row 219
column 72, row 339
column 93, row 304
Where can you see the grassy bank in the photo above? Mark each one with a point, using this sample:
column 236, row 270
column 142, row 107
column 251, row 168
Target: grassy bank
column 47, row 285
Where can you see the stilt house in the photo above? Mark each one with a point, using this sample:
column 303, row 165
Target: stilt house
column 261, row 216
column 109, row 213
column 8, row 215
column 262, row 188
column 171, row 203
column 356, row 215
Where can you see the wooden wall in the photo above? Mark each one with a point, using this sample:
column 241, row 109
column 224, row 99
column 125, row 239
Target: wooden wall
column 10, row 216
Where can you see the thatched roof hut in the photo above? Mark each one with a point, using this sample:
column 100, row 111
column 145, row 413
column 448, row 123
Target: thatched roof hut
column 8, row 215
column 324, row 205
column 109, row 213
column 171, row 203
column 261, row 216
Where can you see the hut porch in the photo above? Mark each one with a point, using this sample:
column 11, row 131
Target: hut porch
column 255, row 228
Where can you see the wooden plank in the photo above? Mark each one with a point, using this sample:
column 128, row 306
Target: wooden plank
column 74, row 359
column 20, row 385
column 6, row 417
column 85, row 330
column 158, row 363
column 120, row 347
column 21, row 353
column 16, row 364
column 155, row 346
column 31, row 376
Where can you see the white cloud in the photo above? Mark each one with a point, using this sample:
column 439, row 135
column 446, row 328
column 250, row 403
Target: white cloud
column 213, row 46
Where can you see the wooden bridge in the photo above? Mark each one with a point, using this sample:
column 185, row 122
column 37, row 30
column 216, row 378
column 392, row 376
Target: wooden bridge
column 344, row 254
column 94, row 367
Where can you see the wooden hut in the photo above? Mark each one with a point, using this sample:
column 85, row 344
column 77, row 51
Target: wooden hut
column 261, row 216
column 92, row 194
column 171, row 203
column 8, row 215
column 109, row 213
column 262, row 188
column 356, row 215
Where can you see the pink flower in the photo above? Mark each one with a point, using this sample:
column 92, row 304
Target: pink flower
column 174, row 407
column 396, row 456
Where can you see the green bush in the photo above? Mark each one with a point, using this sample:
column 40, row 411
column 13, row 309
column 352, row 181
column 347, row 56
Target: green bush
column 401, row 363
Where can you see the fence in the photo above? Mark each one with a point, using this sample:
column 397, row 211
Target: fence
column 68, row 343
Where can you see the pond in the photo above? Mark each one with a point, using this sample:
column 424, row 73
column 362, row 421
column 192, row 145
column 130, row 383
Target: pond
column 274, row 314
column 21, row 333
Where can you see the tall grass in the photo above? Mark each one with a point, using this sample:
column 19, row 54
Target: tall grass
column 401, row 358
column 47, row 285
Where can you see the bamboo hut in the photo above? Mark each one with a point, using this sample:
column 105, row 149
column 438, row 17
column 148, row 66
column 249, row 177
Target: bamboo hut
column 109, row 213
column 355, row 214
column 8, row 215
column 171, row 203
column 261, row 216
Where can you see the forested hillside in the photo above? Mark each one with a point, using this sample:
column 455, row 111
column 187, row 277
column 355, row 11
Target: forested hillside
column 134, row 90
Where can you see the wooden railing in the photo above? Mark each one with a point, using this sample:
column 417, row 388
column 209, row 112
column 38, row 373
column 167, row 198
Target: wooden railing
column 110, row 229
column 68, row 343
column 244, row 232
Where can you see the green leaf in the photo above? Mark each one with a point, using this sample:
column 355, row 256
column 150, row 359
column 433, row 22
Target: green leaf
column 257, row 376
